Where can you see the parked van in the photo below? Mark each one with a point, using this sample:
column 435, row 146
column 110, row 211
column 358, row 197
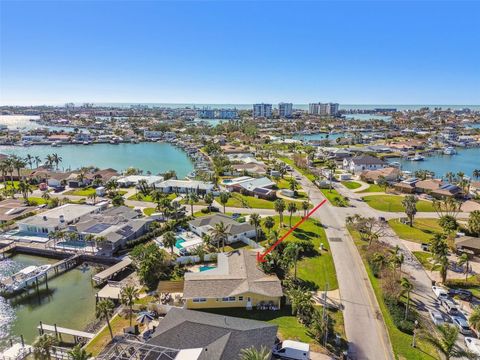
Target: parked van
column 450, row 306
column 290, row 349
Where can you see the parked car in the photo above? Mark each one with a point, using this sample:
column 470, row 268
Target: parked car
column 436, row 316
column 440, row 292
column 290, row 349
column 450, row 306
column 425, row 247
column 462, row 325
column 382, row 219
column 473, row 345
column 461, row 293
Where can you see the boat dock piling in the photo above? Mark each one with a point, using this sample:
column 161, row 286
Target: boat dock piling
column 16, row 350
column 77, row 334
column 9, row 247
column 110, row 272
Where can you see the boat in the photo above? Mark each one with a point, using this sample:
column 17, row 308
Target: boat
column 449, row 150
column 86, row 143
column 417, row 157
column 24, row 278
column 395, row 164
column 113, row 142
column 56, row 144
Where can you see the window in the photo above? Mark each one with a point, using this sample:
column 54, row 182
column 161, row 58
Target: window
column 199, row 300
column 229, row 299
column 240, row 298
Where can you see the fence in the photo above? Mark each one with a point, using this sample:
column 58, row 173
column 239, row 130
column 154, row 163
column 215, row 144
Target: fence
column 193, row 259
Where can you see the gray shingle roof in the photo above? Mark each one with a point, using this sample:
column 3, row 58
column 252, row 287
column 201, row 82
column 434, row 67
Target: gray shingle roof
column 221, row 337
column 233, row 227
column 236, row 273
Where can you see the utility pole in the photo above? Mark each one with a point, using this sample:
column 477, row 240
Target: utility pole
column 325, row 315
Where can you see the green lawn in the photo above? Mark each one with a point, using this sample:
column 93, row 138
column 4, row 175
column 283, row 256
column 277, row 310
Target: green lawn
column 38, row 200
column 422, row 231
column 373, row 188
column 318, row 269
column 81, row 192
column 401, row 342
column 304, row 172
column 334, row 197
column 285, row 183
column 8, row 184
column 238, row 200
column 472, row 284
column 425, row 258
column 393, row 203
column 351, row 184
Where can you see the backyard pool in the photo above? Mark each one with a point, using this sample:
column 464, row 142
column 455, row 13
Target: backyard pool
column 205, row 268
column 77, row 244
column 179, row 242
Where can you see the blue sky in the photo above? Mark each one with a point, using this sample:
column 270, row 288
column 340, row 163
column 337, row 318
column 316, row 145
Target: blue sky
column 240, row 52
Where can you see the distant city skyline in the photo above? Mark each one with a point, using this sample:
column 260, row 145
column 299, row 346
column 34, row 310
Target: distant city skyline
column 357, row 52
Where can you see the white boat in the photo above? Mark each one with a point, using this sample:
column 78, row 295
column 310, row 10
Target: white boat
column 417, row 157
column 86, row 143
column 24, row 278
column 449, row 150
column 395, row 164
column 56, row 144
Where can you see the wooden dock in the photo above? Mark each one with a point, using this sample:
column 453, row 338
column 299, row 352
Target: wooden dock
column 110, row 272
column 10, row 247
column 77, row 334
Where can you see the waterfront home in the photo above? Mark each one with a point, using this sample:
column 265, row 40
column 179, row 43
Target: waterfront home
column 116, row 225
column 237, row 281
column 185, row 186
column 12, row 209
column 134, row 180
column 214, row 337
column 55, row 219
column 258, row 187
column 74, row 180
column 468, row 244
column 236, row 231
column 434, row 187
column 252, row 168
column 54, row 179
column 361, row 163
column 236, row 149
column 391, row 174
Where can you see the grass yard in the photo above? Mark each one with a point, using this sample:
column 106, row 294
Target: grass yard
column 148, row 198
column 472, row 284
column 304, row 172
column 37, row 200
column 81, row 192
column 373, row 188
column 401, row 342
column 285, row 183
column 352, row 185
column 425, row 258
column 422, row 231
column 393, row 203
column 334, row 197
column 318, row 269
column 238, row 201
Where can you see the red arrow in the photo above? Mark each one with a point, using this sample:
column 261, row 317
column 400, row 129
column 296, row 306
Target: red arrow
column 261, row 257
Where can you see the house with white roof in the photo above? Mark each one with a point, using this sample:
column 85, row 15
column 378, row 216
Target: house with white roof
column 259, row 187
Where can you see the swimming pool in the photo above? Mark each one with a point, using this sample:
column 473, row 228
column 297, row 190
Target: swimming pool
column 179, row 242
column 78, row 244
column 205, row 268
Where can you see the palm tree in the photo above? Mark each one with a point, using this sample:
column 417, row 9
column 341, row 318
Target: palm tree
column 445, row 341
column 208, row 198
column 474, row 222
column 442, row 262
column 104, row 310
column 42, row 346
column 29, row 160
column 207, row 239
column 332, row 166
column 255, row 222
column 450, row 176
column 46, row 195
column 293, row 185
column 464, row 260
column 279, row 206
column 291, row 209
column 93, row 196
column 409, row 202
column 219, row 234
column 192, row 200
column 18, row 165
column 273, row 237
column 223, row 198
column 56, row 160
column 128, row 295
column 253, row 353
column 169, row 240
column 25, row 188
column 305, row 206
column 474, row 319
column 407, row 287
column 37, row 160
column 476, row 173
column 292, row 251
column 269, row 223
column 78, row 353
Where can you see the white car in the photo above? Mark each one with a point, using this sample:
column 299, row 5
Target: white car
column 473, row 345
column 440, row 292
column 436, row 317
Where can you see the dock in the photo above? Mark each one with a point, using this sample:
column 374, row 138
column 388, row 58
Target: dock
column 57, row 330
column 16, row 351
column 9, row 247
column 110, row 272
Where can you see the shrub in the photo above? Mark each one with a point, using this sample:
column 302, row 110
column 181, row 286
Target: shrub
column 396, row 309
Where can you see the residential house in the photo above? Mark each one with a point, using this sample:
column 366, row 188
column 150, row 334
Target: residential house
column 185, row 186
column 468, row 244
column 12, row 209
column 254, row 169
column 391, row 174
column 362, row 163
column 237, row 281
column 134, row 180
column 236, row 230
column 258, row 187
column 207, row 336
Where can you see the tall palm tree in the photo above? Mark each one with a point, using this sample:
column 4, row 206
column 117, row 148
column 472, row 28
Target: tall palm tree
column 223, row 198
column 464, row 260
column 273, row 237
column 169, row 240
column 104, row 310
column 279, row 206
column 445, row 341
column 192, row 200
column 220, row 234
column 25, row 188
column 292, row 252
column 93, row 196
column 409, row 202
column 37, row 160
column 476, row 173
column 291, row 209
column 29, row 160
column 474, row 319
column 128, row 295
column 42, row 346
column 253, row 353
column 407, row 287
column 450, row 176
column 255, row 222
column 269, row 223
column 18, row 164
column 79, row 353
column 305, row 206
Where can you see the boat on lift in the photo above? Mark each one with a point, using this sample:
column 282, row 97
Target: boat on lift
column 23, row 278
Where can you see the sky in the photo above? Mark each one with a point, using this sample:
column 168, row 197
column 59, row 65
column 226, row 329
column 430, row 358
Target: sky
column 226, row 52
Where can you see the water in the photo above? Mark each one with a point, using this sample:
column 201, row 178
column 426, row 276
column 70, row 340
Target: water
column 15, row 122
column 366, row 117
column 321, row 136
column 465, row 161
column 70, row 301
column 154, row 157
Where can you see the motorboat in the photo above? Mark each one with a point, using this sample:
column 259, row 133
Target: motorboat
column 56, row 144
column 417, row 157
column 449, row 150
column 24, row 278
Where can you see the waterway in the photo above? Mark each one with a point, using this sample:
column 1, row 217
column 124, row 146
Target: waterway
column 69, row 301
column 465, row 161
column 22, row 122
column 319, row 136
column 154, row 157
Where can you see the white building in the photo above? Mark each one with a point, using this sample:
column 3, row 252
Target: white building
column 361, row 163
column 285, row 110
column 185, row 186
column 323, row 109
column 262, row 110
column 236, row 231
